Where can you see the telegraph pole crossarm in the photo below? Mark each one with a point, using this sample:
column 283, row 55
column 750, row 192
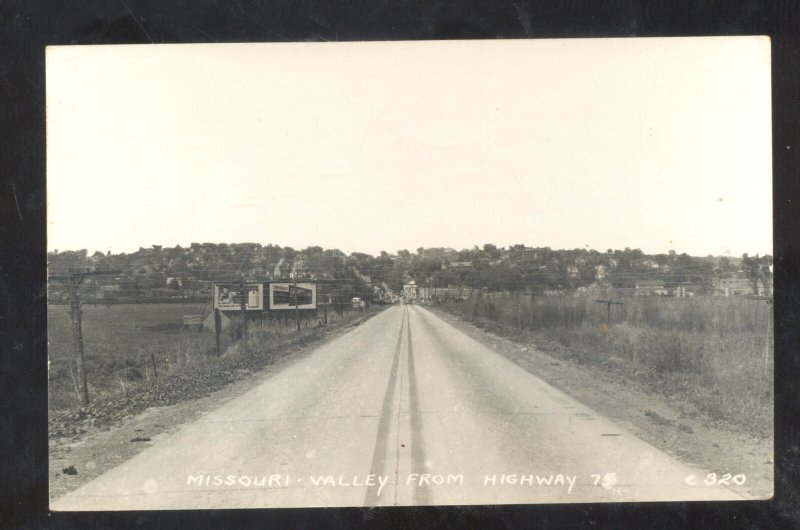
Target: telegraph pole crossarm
column 608, row 303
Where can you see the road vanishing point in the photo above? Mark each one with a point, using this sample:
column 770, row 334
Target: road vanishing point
column 403, row 410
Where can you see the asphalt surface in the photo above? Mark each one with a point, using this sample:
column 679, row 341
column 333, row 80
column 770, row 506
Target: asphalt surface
column 404, row 410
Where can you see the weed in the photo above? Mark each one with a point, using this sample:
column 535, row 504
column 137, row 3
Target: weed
column 714, row 353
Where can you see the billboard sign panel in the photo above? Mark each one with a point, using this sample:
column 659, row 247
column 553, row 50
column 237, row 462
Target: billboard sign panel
column 289, row 296
column 324, row 299
column 227, row 296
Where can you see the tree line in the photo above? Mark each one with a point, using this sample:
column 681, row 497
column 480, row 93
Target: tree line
column 517, row 267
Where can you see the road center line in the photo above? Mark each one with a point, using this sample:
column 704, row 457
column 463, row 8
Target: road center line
column 417, row 448
column 397, row 427
column 379, row 455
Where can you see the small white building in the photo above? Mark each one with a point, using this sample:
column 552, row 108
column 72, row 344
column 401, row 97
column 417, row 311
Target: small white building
column 410, row 290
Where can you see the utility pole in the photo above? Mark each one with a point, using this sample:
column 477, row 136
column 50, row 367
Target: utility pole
column 608, row 303
column 296, row 303
column 533, row 295
column 243, row 316
column 325, row 305
column 341, row 309
column 478, row 296
column 768, row 299
column 72, row 280
column 77, row 334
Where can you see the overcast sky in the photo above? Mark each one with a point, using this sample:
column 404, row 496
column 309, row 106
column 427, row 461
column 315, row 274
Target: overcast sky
column 658, row 144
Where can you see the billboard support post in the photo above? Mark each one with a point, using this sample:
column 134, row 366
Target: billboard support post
column 218, row 329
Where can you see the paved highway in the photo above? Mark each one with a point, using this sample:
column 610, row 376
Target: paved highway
column 403, row 410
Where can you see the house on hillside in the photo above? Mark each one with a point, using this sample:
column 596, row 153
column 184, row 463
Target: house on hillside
column 600, row 272
column 460, row 265
column 650, row 288
column 521, row 254
column 736, row 287
column 687, row 290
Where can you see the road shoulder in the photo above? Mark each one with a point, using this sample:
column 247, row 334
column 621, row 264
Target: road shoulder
column 76, row 461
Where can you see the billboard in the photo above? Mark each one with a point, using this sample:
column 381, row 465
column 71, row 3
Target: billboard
column 288, row 296
column 324, row 299
column 226, row 296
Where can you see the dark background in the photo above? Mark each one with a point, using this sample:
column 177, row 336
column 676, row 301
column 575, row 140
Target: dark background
column 26, row 27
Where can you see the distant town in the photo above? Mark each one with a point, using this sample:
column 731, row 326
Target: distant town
column 174, row 274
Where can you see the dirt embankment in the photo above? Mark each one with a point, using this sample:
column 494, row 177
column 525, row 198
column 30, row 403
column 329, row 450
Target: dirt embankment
column 84, row 443
column 668, row 423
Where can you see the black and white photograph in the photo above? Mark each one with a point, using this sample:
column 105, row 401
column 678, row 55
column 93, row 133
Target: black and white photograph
column 409, row 273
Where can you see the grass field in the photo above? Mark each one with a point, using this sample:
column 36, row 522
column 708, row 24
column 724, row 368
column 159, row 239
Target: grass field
column 122, row 343
column 714, row 353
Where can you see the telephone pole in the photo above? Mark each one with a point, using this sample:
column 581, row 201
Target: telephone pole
column 482, row 284
column 243, row 317
column 608, row 303
column 320, row 291
column 768, row 300
column 533, row 296
column 72, row 280
column 341, row 308
column 296, row 304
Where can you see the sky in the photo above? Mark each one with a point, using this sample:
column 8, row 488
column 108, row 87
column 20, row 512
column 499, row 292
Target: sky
column 652, row 143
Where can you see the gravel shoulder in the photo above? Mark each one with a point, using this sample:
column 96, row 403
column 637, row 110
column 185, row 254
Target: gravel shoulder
column 679, row 431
